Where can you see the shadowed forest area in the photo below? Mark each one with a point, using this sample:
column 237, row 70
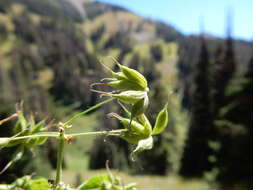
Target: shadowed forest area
column 51, row 52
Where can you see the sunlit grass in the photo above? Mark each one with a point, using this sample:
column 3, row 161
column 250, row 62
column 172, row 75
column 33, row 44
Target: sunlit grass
column 144, row 182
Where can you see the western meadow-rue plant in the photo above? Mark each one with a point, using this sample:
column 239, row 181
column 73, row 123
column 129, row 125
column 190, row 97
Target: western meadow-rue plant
column 135, row 93
column 131, row 90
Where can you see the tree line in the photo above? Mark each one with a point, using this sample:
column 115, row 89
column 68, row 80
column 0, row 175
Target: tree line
column 220, row 129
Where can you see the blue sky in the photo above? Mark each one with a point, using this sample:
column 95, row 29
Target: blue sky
column 185, row 15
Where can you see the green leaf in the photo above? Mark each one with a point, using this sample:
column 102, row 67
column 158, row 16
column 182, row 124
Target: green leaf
column 139, row 107
column 94, row 182
column 161, row 121
column 38, row 127
column 39, row 184
column 22, row 120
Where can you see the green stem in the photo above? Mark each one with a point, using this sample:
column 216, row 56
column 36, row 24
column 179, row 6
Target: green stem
column 57, row 134
column 59, row 159
column 118, row 131
column 40, row 134
column 69, row 121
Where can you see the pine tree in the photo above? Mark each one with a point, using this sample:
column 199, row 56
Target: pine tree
column 222, row 75
column 224, row 70
column 135, row 61
column 235, row 157
column 195, row 158
column 156, row 52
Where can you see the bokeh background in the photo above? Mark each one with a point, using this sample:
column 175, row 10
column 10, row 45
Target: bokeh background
column 196, row 55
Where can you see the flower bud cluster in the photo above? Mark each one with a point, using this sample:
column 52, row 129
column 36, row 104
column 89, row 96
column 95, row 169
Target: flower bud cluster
column 131, row 88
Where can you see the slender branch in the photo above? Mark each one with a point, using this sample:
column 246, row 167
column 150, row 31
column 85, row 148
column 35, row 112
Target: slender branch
column 69, row 121
column 118, row 131
column 8, row 118
column 41, row 134
column 56, row 134
column 59, row 158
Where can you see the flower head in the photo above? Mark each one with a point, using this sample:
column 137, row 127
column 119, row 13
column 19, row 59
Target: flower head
column 131, row 88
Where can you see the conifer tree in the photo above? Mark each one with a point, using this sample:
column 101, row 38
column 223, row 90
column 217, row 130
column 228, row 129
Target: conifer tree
column 156, row 52
column 235, row 157
column 223, row 72
column 195, row 158
column 135, row 61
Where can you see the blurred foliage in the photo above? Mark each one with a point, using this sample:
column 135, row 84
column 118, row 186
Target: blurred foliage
column 195, row 159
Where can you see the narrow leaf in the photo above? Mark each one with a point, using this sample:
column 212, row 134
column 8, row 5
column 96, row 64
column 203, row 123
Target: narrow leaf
column 94, row 182
column 161, row 121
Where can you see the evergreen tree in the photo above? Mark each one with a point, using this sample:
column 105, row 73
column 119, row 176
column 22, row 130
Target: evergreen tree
column 156, row 52
column 135, row 61
column 195, row 158
column 235, row 157
column 223, row 72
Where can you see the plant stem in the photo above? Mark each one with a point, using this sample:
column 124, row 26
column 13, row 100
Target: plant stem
column 8, row 118
column 40, row 134
column 61, row 141
column 69, row 121
column 97, row 133
column 59, row 159
column 57, row 134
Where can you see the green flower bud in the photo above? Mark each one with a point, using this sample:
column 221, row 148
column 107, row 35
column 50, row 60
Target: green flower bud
column 130, row 96
column 124, row 85
column 131, row 138
column 136, row 131
column 140, row 107
column 134, row 76
column 118, row 75
column 145, row 122
column 135, row 126
column 142, row 119
column 161, row 121
column 144, row 144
